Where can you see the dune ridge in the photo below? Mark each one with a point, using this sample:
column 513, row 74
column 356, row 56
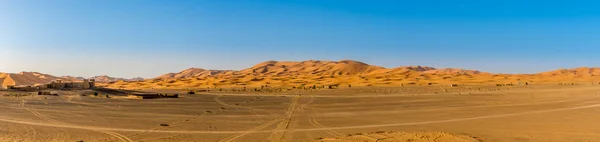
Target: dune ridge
column 25, row 78
column 106, row 79
column 191, row 72
column 320, row 73
column 348, row 73
column 35, row 78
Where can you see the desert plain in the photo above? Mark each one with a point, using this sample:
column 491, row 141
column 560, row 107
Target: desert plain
column 408, row 113
column 330, row 101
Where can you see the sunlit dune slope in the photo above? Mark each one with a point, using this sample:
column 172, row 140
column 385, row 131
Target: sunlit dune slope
column 35, row 78
column 25, row 78
column 344, row 73
column 348, row 73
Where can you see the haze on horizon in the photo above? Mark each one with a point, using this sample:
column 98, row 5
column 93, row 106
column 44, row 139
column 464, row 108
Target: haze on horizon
column 148, row 38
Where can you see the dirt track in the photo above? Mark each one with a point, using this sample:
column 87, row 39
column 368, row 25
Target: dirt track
column 519, row 114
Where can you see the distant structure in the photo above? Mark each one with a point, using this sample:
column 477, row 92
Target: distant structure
column 58, row 84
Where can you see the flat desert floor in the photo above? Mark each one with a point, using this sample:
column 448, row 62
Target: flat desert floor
column 530, row 113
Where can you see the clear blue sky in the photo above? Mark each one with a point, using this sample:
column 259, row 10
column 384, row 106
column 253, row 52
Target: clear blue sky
column 129, row 38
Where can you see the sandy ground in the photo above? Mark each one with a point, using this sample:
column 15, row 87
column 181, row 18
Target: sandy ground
column 532, row 113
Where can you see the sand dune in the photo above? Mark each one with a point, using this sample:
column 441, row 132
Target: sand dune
column 348, row 72
column 34, row 78
column 72, row 78
column 192, row 72
column 582, row 72
column 321, row 73
column 25, row 78
column 105, row 78
column 345, row 67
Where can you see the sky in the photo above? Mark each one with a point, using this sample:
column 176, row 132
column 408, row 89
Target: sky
column 147, row 38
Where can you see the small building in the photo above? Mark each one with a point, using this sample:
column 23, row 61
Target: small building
column 152, row 95
column 85, row 84
column 22, row 87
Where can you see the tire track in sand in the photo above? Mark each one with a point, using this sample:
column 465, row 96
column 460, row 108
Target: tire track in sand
column 33, row 131
column 41, row 116
column 597, row 104
column 253, row 110
column 259, row 127
column 262, row 126
column 70, row 100
column 281, row 129
column 139, row 134
column 313, row 121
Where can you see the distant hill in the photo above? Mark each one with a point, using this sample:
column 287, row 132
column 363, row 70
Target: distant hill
column 192, row 72
column 106, row 79
column 71, row 78
column 312, row 67
column 295, row 73
column 345, row 67
column 34, row 78
column 582, row 71
column 313, row 72
column 25, row 78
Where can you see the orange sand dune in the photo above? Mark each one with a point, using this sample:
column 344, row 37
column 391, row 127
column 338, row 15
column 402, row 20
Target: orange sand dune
column 192, row 72
column 34, row 78
column 319, row 73
column 348, row 73
column 24, row 78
